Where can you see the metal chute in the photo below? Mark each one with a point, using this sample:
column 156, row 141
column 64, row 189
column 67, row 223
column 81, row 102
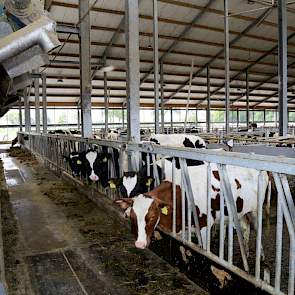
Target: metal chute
column 27, row 35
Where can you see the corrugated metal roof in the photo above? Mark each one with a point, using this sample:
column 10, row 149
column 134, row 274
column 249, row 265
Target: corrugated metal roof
column 202, row 42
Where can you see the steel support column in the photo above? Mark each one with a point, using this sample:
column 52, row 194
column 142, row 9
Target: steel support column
column 171, row 118
column 44, row 103
column 37, row 104
column 156, row 64
column 226, row 65
column 27, row 110
column 106, row 99
column 208, row 118
column 282, row 67
column 20, row 115
column 247, row 100
column 85, row 68
column 133, row 73
column 162, row 97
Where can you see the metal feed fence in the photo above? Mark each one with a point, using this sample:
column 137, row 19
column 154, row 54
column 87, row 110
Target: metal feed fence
column 52, row 148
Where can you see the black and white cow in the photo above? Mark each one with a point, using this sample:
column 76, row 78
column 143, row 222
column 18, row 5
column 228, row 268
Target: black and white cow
column 92, row 164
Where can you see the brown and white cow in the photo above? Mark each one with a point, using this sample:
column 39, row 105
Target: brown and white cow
column 146, row 209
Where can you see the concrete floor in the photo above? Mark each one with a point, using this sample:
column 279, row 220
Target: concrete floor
column 70, row 246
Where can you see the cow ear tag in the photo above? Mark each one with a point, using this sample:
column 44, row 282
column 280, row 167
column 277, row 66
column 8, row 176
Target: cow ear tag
column 105, row 159
column 149, row 181
column 164, row 210
column 112, row 185
column 79, row 162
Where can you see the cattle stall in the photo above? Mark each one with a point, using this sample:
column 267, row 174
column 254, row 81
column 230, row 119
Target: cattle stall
column 275, row 274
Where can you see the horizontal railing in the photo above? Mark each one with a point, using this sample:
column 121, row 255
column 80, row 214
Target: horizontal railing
column 53, row 148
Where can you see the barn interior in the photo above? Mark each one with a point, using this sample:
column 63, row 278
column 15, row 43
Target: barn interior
column 112, row 76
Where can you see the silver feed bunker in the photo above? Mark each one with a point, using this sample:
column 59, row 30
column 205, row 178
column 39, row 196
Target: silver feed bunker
column 27, row 34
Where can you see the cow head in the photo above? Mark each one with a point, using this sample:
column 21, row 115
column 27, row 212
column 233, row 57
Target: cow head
column 145, row 212
column 132, row 184
column 76, row 163
column 96, row 164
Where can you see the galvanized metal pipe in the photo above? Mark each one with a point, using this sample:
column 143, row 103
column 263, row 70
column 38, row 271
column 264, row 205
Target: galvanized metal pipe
column 174, row 197
column 156, row 63
column 44, row 103
column 283, row 67
column 209, row 189
column 259, row 225
column 41, row 32
column 226, row 65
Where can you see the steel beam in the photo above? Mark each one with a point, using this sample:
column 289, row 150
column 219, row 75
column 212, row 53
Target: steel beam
column 226, row 65
column 67, row 29
column 106, row 105
column 44, row 103
column 282, row 67
column 162, row 97
column 208, row 113
column 247, row 99
column 133, row 73
column 235, row 40
column 20, row 115
column 85, row 68
column 27, row 110
column 156, row 63
column 37, row 104
column 181, row 35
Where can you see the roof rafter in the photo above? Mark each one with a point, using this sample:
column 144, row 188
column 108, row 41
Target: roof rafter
column 181, row 35
column 236, row 39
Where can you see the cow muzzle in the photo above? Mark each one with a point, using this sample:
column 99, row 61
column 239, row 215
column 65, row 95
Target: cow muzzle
column 93, row 177
column 140, row 245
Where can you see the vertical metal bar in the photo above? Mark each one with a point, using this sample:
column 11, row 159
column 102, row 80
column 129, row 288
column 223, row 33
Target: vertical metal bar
column 208, row 101
column 221, row 228
column 171, row 119
column 226, row 61
column 279, row 238
column 259, row 225
column 85, row 68
column 231, row 207
column 133, row 73
column 182, row 206
column 78, row 118
column 289, row 198
column 20, row 115
column 189, row 220
column 291, row 230
column 148, row 164
column 189, row 95
column 162, row 97
column 247, row 100
column 190, row 198
column 283, row 67
column 123, row 117
column 156, row 63
column 208, row 234
column 27, row 110
column 106, row 105
column 230, row 239
column 44, row 103
column 155, row 170
column 37, row 103
column 174, row 197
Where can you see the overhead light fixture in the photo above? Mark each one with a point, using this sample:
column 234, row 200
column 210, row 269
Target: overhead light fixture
column 60, row 80
column 107, row 69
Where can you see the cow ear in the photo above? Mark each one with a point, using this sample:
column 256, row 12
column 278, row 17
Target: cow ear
column 124, row 203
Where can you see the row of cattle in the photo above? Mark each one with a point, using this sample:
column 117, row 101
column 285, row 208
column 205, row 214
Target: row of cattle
column 149, row 206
